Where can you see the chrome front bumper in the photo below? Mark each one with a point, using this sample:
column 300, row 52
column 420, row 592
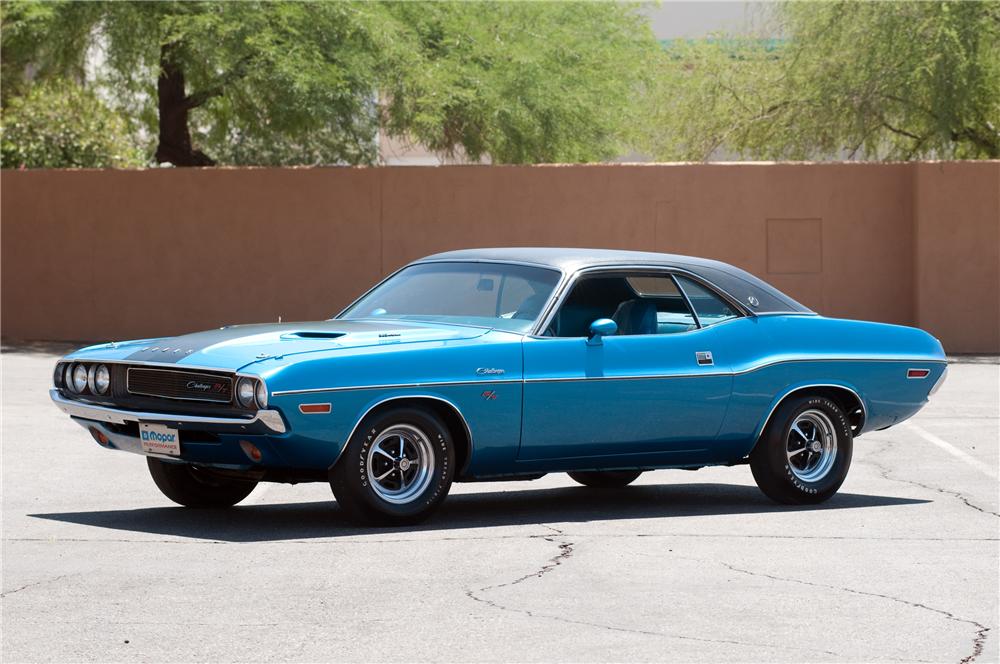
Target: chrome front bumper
column 263, row 422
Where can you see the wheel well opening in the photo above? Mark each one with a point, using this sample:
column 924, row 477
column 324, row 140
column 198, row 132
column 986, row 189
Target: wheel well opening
column 846, row 400
column 451, row 418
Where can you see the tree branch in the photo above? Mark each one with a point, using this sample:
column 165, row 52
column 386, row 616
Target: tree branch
column 901, row 132
column 990, row 146
column 196, row 99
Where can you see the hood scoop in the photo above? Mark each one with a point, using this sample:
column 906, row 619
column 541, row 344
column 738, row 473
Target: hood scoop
column 313, row 334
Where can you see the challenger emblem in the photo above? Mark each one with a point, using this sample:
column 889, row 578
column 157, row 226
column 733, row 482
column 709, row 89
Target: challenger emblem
column 205, row 387
column 489, row 371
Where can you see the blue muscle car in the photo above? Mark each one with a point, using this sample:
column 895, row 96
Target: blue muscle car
column 508, row 364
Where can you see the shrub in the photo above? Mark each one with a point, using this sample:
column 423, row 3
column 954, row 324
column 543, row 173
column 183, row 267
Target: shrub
column 60, row 124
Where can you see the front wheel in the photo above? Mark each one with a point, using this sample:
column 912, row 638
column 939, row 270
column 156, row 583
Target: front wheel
column 187, row 485
column 397, row 468
column 606, row 479
column 804, row 453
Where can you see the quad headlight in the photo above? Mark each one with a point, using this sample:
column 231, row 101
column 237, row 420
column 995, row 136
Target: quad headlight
column 77, row 378
column 245, row 391
column 250, row 392
column 99, row 379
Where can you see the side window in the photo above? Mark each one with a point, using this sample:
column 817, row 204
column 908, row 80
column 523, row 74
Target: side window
column 711, row 308
column 592, row 297
column 661, row 293
column 639, row 304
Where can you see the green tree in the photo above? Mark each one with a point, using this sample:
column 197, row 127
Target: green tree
column 883, row 80
column 59, row 124
column 296, row 82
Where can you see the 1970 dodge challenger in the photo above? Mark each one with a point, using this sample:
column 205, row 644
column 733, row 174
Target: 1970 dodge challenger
column 508, row 364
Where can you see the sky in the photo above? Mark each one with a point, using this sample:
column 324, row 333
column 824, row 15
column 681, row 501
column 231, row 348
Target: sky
column 689, row 19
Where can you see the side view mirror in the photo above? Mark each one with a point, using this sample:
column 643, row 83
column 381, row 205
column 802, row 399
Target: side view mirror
column 602, row 327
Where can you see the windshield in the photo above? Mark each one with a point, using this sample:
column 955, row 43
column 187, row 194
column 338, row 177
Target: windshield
column 500, row 295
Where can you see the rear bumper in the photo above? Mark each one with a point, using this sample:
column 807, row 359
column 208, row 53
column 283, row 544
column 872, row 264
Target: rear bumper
column 264, row 422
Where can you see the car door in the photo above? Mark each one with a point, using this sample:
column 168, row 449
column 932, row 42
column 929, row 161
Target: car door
column 642, row 391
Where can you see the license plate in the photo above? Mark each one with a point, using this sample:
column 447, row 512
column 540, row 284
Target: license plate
column 159, row 439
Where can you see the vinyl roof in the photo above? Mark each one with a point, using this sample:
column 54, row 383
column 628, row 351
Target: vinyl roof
column 573, row 259
column 738, row 283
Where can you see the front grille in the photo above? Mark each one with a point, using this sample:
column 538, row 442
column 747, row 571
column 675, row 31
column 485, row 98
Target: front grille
column 186, row 385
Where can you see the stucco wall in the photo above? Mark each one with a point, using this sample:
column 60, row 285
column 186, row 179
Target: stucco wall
column 117, row 254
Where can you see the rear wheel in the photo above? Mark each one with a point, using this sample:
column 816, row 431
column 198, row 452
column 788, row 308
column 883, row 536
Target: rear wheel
column 397, row 468
column 189, row 486
column 804, row 454
column 606, row 479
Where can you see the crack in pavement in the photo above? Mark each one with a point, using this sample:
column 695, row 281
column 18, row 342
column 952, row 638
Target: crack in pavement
column 33, row 584
column 885, row 470
column 566, row 549
column 981, row 630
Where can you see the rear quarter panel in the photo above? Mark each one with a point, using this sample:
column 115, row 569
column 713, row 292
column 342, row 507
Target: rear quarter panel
column 772, row 356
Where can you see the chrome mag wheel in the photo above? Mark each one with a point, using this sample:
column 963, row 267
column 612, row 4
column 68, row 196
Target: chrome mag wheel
column 811, row 446
column 400, row 463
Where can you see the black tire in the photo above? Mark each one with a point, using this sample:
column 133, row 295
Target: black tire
column 354, row 478
column 786, row 479
column 187, row 485
column 606, row 479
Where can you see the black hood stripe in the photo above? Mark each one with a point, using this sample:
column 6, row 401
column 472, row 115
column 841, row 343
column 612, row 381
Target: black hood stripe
column 175, row 349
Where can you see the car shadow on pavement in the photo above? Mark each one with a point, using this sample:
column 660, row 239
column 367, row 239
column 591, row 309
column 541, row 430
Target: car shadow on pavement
column 296, row 521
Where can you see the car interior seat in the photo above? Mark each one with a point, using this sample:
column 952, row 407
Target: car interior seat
column 636, row 316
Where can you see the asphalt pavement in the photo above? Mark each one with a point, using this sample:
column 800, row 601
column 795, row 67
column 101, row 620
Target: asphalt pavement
column 901, row 565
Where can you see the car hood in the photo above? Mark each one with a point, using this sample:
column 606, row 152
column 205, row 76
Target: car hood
column 236, row 346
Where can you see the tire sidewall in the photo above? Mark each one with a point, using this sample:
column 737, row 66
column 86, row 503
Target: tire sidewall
column 186, row 485
column 777, row 458
column 359, row 482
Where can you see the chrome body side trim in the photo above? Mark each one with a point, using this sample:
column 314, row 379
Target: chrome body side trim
column 395, row 386
column 270, row 419
column 583, row 379
column 398, row 397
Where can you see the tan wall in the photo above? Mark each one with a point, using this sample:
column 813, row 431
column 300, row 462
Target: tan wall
column 117, row 254
column 957, row 254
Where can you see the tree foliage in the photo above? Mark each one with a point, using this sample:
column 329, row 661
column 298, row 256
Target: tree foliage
column 59, row 124
column 882, row 80
column 518, row 81
column 314, row 82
